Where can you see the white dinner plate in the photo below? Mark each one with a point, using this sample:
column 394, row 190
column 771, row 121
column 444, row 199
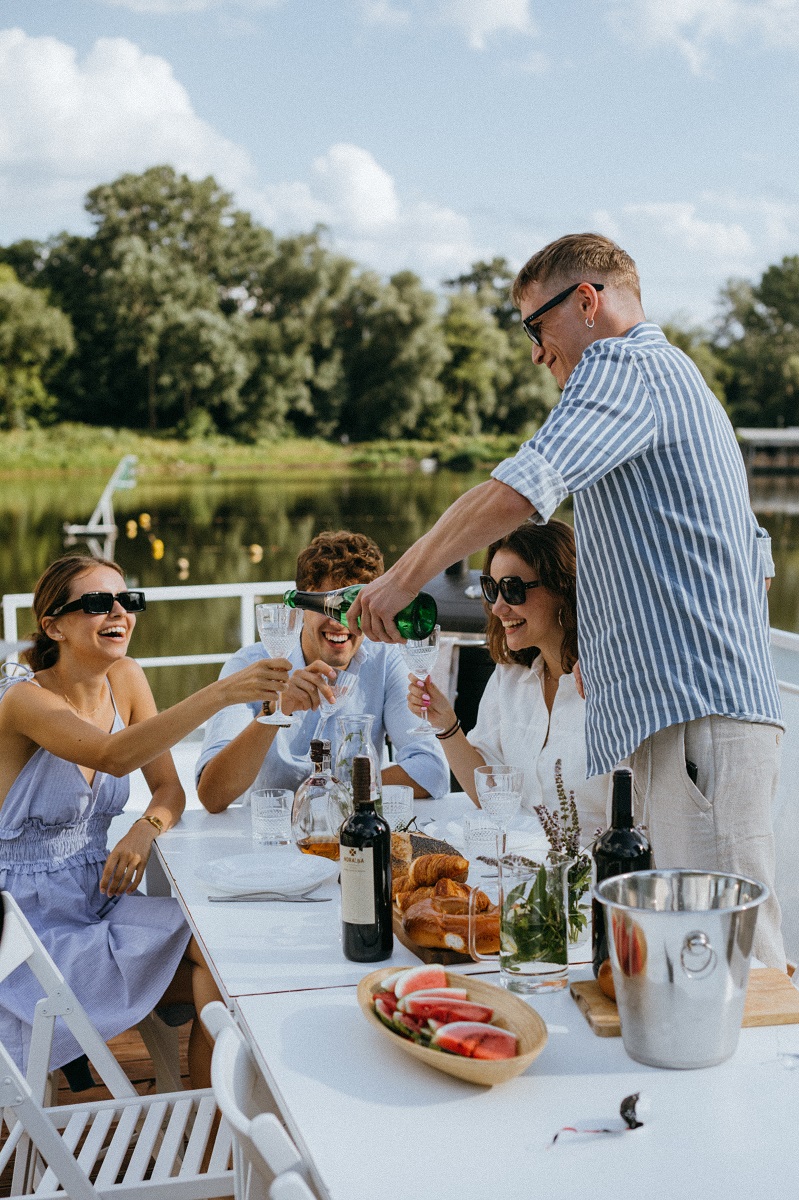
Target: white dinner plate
column 276, row 868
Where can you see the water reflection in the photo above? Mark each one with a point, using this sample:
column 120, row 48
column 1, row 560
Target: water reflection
column 212, row 525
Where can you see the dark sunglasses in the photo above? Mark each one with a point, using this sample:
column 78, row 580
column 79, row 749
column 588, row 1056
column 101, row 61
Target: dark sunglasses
column 513, row 589
column 528, row 322
column 97, row 603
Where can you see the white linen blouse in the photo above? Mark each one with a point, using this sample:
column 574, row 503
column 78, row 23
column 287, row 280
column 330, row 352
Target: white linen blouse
column 515, row 729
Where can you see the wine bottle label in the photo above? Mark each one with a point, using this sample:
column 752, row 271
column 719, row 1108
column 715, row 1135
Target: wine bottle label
column 357, row 885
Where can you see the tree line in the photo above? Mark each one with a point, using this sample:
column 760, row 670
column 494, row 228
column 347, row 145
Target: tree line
column 181, row 313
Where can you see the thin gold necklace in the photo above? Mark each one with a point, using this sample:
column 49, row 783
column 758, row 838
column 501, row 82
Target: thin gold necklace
column 80, row 711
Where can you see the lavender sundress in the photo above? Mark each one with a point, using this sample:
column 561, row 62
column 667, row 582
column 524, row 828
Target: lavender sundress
column 119, row 956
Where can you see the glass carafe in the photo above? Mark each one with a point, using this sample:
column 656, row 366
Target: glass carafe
column 355, row 739
column 321, row 805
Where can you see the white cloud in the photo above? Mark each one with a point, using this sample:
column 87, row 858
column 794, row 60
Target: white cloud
column 480, row 19
column 162, row 7
column 357, row 198
column 693, row 27
column 66, row 125
column 382, row 12
column 686, row 251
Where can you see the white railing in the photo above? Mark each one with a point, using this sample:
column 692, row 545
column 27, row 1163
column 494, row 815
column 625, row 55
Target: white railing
column 247, row 593
column 785, row 646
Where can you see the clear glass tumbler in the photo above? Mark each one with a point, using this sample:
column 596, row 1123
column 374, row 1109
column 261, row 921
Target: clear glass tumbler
column 270, row 809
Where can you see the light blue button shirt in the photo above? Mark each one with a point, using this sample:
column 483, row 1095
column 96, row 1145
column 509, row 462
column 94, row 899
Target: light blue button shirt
column 672, row 609
column 380, row 688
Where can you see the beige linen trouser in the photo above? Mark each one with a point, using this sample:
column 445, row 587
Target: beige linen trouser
column 723, row 822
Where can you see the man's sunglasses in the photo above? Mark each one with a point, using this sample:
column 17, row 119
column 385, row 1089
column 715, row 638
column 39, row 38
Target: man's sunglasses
column 97, row 603
column 530, row 321
column 513, row 589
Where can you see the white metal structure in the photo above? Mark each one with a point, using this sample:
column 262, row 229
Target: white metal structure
column 262, row 1148
column 106, row 1148
column 101, row 523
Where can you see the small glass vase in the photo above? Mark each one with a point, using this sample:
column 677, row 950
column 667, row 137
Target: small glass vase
column 355, row 738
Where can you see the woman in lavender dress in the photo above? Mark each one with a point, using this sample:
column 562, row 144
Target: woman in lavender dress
column 71, row 730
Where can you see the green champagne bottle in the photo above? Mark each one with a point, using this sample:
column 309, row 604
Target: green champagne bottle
column 417, row 619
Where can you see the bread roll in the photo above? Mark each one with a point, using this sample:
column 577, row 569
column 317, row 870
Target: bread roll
column 406, row 899
column 427, row 870
column 426, row 925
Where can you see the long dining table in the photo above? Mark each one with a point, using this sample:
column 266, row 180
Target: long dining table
column 369, row 1120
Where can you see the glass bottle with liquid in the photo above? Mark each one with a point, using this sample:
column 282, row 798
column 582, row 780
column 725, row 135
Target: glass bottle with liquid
column 320, row 806
column 366, row 927
column 416, row 620
column 354, row 740
column 621, row 848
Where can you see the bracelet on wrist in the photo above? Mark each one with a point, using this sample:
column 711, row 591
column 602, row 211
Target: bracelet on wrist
column 448, row 733
column 268, row 708
column 154, row 821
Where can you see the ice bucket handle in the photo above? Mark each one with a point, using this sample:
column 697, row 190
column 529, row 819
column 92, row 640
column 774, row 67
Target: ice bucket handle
column 698, row 958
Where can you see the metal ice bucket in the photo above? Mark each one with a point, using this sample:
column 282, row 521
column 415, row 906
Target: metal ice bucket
column 680, row 944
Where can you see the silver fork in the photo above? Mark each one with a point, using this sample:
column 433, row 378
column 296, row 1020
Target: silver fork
column 280, row 897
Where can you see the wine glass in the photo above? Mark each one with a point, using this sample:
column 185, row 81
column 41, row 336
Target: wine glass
column 420, row 656
column 279, row 627
column 339, row 687
column 499, row 790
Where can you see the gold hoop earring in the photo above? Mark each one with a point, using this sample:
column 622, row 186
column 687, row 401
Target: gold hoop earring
column 560, row 617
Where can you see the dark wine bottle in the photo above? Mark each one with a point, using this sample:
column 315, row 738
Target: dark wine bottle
column 619, row 849
column 417, row 620
column 365, row 862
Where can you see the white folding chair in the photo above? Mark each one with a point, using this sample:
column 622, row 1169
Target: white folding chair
column 290, row 1186
column 163, row 1145
column 262, row 1148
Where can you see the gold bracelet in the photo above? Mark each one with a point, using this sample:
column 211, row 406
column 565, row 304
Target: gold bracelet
column 155, row 822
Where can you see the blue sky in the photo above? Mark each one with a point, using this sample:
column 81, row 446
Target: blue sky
column 427, row 133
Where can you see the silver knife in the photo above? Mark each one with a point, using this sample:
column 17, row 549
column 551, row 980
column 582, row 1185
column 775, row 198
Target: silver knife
column 254, row 897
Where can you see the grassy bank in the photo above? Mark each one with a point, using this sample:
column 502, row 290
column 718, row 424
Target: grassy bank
column 72, row 450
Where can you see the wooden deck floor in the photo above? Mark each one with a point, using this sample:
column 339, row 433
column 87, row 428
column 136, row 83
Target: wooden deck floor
column 132, row 1055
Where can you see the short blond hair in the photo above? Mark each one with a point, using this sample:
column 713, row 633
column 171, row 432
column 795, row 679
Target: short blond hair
column 578, row 256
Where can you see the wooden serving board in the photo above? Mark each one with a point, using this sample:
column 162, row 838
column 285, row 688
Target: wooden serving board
column 427, row 955
column 771, row 999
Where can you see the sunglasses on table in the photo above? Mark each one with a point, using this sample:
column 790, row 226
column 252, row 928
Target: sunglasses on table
column 528, row 322
column 512, row 589
column 99, row 603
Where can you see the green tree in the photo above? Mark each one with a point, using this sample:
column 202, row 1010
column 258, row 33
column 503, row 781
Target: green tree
column 393, row 352
column 478, row 371
column 34, row 337
column 527, row 394
column 296, row 381
column 758, row 341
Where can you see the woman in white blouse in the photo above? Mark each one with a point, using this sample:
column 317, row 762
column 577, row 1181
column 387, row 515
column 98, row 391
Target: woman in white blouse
column 531, row 713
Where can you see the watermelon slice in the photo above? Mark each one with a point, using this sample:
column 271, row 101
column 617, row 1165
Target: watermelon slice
column 386, row 1004
column 442, row 1009
column 476, row 1040
column 431, row 976
column 389, row 983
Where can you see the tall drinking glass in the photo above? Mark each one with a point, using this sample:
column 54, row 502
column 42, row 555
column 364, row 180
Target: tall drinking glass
column 420, row 656
column 499, row 790
column 279, row 627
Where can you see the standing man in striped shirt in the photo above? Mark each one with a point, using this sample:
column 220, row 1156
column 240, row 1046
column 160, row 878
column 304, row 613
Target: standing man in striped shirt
column 672, row 567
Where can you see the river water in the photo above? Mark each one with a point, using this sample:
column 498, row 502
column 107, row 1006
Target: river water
column 252, row 529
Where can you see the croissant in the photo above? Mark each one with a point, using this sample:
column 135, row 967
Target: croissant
column 427, row 870
column 428, row 927
column 450, row 887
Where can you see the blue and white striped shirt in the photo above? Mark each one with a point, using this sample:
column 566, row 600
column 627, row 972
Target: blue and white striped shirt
column 672, row 609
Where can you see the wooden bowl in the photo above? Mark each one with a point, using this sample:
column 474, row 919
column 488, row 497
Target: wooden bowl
column 510, row 1013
